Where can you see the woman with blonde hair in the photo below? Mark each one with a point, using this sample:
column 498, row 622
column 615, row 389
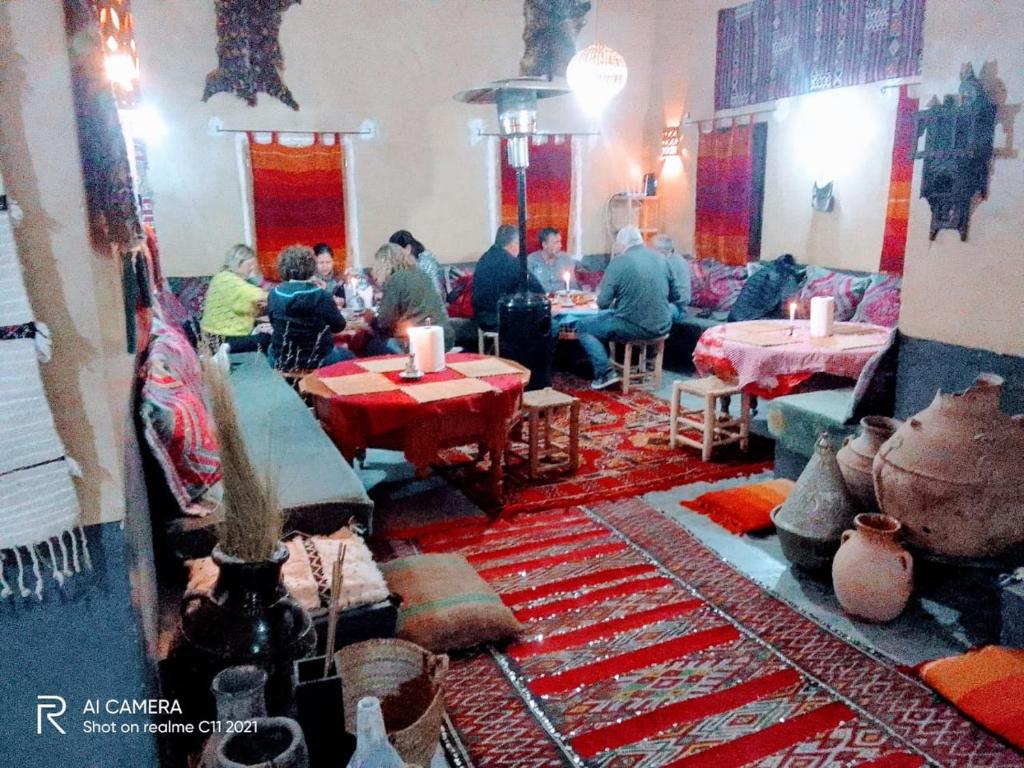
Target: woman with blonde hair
column 407, row 298
column 232, row 302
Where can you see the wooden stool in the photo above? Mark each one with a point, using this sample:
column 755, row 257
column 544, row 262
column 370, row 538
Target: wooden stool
column 538, row 407
column 482, row 337
column 646, row 371
column 717, row 427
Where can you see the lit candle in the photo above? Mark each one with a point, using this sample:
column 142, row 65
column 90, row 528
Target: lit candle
column 566, row 276
column 792, row 311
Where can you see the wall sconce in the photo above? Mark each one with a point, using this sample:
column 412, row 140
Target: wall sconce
column 670, row 142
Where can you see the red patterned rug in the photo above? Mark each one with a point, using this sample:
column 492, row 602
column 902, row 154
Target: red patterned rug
column 624, row 451
column 645, row 649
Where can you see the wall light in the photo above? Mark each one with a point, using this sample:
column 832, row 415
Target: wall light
column 670, row 142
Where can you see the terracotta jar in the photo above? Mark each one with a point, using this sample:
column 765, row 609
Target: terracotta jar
column 952, row 475
column 857, row 454
column 872, row 574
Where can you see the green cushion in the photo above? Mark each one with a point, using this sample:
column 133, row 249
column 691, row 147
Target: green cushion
column 796, row 421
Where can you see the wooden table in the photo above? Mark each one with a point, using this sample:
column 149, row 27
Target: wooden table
column 771, row 358
column 395, row 420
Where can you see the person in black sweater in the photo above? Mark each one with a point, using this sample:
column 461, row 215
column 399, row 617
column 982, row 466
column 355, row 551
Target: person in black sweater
column 497, row 275
column 303, row 315
column 766, row 290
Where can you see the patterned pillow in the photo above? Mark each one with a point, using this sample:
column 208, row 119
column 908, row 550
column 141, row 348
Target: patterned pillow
column 460, row 297
column 881, row 302
column 715, row 286
column 847, row 290
column 175, row 423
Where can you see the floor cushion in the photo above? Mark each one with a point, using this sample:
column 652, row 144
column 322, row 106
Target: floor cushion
column 744, row 509
column 881, row 302
column 846, row 289
column 445, row 604
column 306, row 574
column 987, row 685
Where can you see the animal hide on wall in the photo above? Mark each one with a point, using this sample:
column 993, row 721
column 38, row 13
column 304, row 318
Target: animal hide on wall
column 550, row 35
column 248, row 51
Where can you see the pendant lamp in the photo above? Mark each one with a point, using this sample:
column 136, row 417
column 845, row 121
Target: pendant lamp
column 596, row 75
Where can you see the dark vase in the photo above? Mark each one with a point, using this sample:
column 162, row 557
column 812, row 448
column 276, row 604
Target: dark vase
column 248, row 618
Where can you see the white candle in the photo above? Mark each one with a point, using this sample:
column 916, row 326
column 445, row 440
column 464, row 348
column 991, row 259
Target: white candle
column 792, row 311
column 426, row 344
column 823, row 313
column 565, row 276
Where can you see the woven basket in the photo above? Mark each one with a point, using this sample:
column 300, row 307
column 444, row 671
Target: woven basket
column 408, row 680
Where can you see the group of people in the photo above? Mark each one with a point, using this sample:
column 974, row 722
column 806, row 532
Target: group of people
column 643, row 291
column 305, row 309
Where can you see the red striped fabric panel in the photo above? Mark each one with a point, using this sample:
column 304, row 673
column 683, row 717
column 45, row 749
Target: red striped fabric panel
column 584, row 635
column 593, row 598
column 588, row 674
column 652, row 723
column 564, row 586
column 495, row 534
column 894, row 760
column 535, row 546
column 757, row 746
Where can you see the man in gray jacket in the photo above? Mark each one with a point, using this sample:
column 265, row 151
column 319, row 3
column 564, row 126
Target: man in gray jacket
column 638, row 290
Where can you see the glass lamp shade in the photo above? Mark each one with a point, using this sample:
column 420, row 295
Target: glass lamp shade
column 517, row 112
column 596, row 75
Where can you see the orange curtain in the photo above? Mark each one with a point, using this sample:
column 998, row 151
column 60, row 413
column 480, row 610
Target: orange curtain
column 548, row 188
column 894, row 241
column 298, row 197
column 730, row 191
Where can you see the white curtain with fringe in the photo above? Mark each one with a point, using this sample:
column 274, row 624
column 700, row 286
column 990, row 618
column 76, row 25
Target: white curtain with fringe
column 40, row 537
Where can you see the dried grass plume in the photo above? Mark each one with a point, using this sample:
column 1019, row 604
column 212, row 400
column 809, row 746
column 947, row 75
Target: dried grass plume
column 251, row 529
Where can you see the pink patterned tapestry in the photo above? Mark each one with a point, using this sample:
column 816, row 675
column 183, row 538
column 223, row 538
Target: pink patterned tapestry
column 771, row 49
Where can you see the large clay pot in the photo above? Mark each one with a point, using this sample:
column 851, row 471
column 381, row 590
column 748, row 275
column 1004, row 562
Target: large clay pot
column 856, row 456
column 816, row 512
column 872, row 574
column 952, row 475
column 271, row 742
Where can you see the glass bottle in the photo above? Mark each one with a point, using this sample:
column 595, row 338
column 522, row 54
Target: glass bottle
column 373, row 750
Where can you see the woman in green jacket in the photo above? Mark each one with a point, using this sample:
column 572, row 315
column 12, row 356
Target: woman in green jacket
column 232, row 303
column 408, row 298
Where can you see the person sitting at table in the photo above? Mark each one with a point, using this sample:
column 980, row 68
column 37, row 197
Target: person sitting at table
column 407, row 299
column 325, row 276
column 496, row 276
column 423, row 259
column 550, row 264
column 680, row 269
column 638, row 288
column 303, row 315
column 232, row 303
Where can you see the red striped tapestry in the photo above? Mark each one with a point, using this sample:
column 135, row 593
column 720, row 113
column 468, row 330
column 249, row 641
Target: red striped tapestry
column 298, row 197
column 548, row 188
column 772, row 49
column 894, row 241
column 730, row 192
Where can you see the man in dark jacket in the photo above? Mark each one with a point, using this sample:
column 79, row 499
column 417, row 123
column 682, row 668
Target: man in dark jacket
column 303, row 315
column 497, row 275
column 765, row 290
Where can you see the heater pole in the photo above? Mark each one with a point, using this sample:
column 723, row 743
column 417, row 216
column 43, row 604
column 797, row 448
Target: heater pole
column 524, row 278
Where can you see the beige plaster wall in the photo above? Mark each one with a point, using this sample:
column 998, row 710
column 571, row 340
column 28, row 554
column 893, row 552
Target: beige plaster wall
column 972, row 293
column 398, row 63
column 844, row 134
column 73, row 290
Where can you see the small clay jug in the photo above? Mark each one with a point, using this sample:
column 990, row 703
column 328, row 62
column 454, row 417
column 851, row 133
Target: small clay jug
column 872, row 574
column 858, row 453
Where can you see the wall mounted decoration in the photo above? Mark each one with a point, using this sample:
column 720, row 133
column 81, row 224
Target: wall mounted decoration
column 248, row 52
column 121, row 60
column 959, row 134
column 298, row 196
column 730, row 193
column 894, row 241
column 550, row 33
column 771, row 49
column 823, row 197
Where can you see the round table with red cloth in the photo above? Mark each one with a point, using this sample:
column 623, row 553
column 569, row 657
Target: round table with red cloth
column 772, row 371
column 395, row 421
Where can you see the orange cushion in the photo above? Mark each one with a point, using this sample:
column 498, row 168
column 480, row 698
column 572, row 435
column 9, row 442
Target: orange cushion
column 744, row 509
column 986, row 685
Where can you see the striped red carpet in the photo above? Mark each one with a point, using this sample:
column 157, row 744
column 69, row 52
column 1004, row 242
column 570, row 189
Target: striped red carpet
column 645, row 649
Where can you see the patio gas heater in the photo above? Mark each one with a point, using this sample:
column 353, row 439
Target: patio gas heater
column 524, row 318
